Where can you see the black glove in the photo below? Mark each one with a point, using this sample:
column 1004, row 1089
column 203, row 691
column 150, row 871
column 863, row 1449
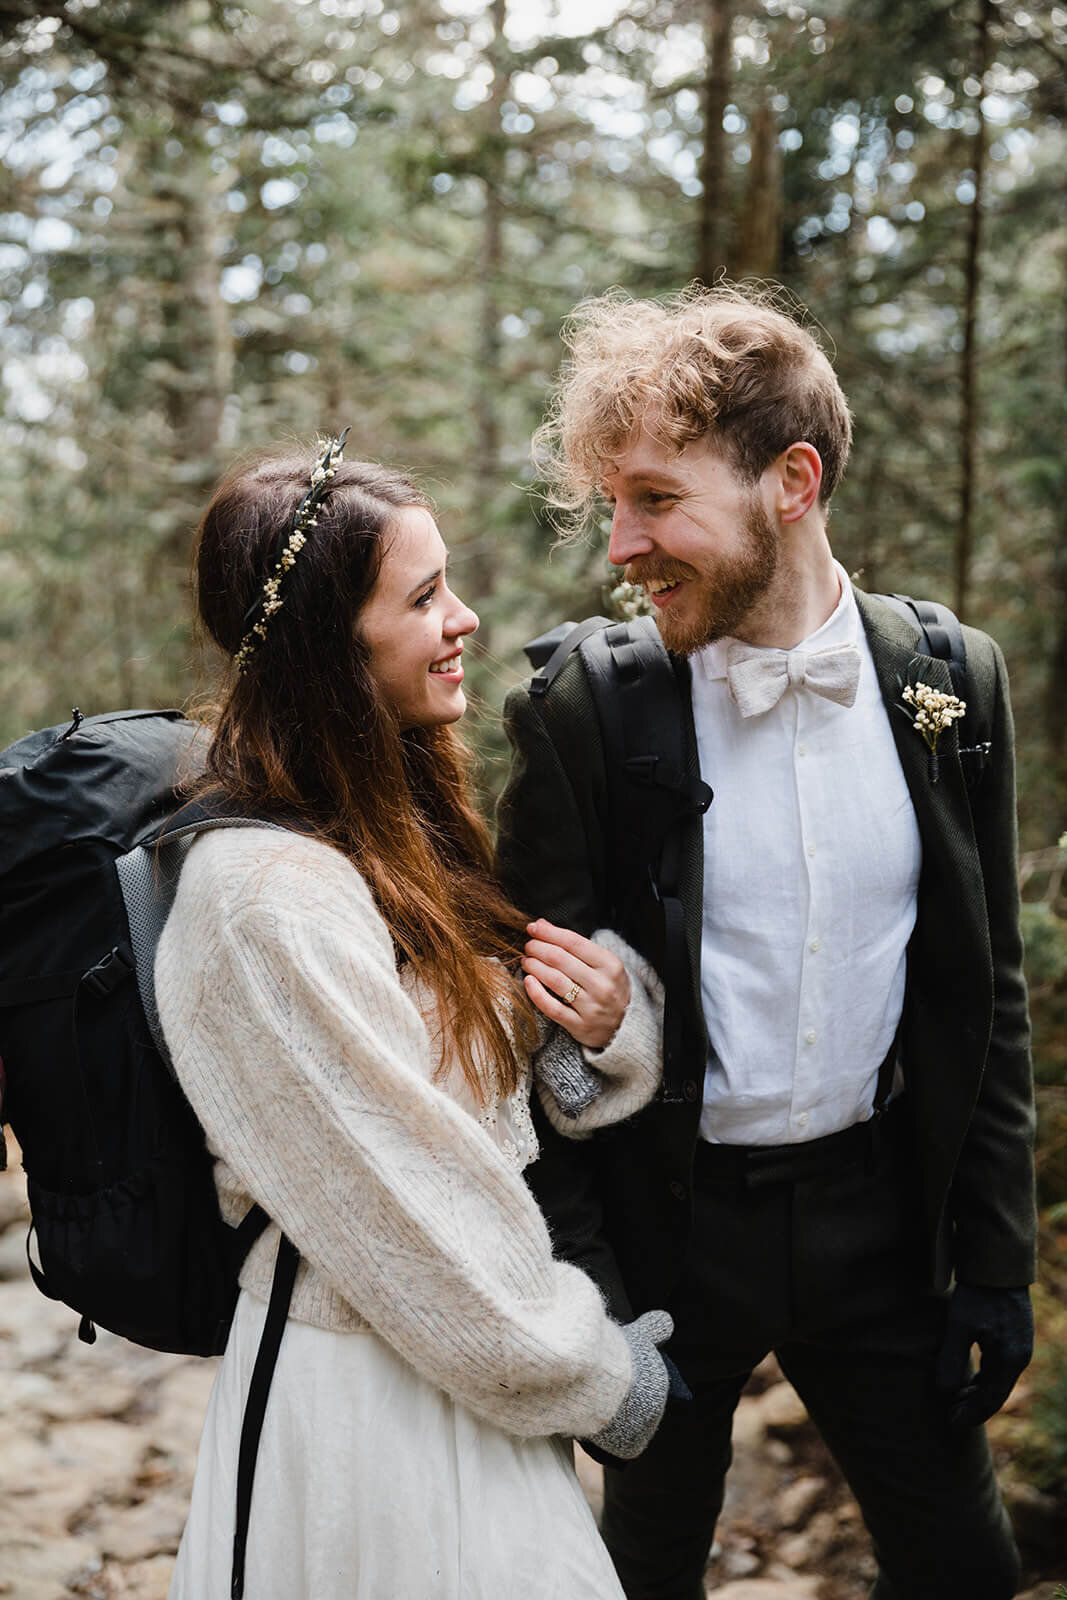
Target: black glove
column 677, row 1388
column 1001, row 1323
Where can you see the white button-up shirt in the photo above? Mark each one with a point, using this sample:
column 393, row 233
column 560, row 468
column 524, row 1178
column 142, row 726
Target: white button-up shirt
column 811, row 867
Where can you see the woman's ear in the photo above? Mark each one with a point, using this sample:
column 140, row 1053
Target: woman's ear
column 799, row 473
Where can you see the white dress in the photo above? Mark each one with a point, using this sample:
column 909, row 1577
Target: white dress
column 417, row 1461
column 372, row 1484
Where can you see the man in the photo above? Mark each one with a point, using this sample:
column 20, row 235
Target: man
column 846, row 1178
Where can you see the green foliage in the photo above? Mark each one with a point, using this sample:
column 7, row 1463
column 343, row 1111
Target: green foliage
column 224, row 224
column 272, row 216
column 1045, row 933
column 1046, row 948
column 1044, row 1452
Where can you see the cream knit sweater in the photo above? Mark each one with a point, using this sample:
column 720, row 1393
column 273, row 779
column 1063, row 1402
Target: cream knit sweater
column 311, row 1071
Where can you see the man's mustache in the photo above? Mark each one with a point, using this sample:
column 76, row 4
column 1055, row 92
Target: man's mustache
column 652, row 569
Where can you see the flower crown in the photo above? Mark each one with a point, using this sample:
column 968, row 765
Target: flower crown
column 295, row 535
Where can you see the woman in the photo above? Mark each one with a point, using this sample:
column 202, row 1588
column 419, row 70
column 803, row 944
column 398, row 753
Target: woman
column 340, row 1005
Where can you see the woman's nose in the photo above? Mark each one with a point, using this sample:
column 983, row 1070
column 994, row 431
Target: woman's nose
column 462, row 621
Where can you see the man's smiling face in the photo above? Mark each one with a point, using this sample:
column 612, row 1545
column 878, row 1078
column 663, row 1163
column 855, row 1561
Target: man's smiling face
column 693, row 532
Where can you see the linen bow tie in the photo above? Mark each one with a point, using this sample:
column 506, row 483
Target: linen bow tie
column 759, row 678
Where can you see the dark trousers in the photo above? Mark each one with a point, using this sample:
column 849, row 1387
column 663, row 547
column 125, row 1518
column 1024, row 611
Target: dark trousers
column 823, row 1269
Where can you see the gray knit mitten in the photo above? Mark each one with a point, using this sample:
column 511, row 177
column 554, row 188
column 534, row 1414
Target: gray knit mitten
column 562, row 1069
column 637, row 1419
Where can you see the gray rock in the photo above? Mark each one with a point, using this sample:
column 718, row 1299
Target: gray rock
column 1037, row 1517
column 13, row 1206
column 740, row 1559
column 12, row 1254
column 796, row 1503
column 782, row 1409
column 37, row 1568
column 793, row 1587
column 80, row 1393
column 808, row 1548
column 152, row 1528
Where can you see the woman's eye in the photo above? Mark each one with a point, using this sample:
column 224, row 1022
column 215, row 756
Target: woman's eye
column 427, row 595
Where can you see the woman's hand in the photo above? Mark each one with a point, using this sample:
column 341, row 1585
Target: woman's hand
column 575, row 982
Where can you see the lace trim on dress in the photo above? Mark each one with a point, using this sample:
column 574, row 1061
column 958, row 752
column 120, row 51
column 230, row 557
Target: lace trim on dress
column 510, row 1125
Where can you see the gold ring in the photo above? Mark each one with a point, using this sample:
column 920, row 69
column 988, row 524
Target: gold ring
column 572, row 994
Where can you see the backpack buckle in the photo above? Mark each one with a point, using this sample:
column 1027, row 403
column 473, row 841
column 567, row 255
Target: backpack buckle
column 977, row 754
column 653, row 772
column 107, row 975
column 698, row 796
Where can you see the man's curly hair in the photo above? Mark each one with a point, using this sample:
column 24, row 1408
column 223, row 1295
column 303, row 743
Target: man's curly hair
column 727, row 361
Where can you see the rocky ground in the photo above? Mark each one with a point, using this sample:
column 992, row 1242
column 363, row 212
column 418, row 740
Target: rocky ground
column 97, row 1447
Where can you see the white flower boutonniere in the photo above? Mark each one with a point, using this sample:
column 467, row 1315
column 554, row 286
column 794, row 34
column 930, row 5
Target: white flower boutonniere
column 931, row 712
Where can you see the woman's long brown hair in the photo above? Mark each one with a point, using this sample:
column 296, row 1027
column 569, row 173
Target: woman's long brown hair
column 302, row 736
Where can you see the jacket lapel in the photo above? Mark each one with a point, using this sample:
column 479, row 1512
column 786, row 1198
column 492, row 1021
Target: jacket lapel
column 950, row 959
column 942, row 808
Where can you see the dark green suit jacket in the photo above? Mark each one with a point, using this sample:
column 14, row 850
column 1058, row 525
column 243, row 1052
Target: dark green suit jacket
column 619, row 1202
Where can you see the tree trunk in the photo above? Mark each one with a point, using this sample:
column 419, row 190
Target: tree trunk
column 968, row 359
column 714, row 236
column 1056, row 683
column 759, row 243
column 194, row 353
column 210, row 362
column 486, row 474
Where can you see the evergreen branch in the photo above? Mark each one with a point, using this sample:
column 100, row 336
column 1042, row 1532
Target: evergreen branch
column 111, row 44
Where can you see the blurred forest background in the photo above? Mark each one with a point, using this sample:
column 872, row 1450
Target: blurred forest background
column 227, row 223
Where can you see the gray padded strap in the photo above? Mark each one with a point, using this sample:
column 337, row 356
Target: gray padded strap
column 148, row 877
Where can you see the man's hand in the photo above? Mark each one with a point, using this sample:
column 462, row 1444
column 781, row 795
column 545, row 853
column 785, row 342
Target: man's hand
column 1001, row 1323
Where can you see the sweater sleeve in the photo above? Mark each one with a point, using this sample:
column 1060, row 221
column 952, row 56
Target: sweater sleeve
column 310, row 1070
column 623, row 1077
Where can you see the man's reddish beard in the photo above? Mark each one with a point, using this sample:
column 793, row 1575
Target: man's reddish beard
column 720, row 593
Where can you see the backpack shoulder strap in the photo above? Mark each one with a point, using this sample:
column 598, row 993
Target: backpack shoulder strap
column 636, row 693
column 550, row 653
column 148, row 878
column 940, row 632
column 641, row 713
column 639, row 702
column 941, row 636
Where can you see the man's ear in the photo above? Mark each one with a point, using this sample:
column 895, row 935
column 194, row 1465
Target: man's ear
column 799, row 474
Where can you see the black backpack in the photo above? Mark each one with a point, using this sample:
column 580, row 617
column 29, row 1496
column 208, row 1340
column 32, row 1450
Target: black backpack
column 636, row 689
column 126, row 1225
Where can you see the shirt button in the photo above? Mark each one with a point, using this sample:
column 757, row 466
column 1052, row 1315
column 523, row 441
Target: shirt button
column 811, row 1036
column 815, row 946
column 689, row 1089
column 802, row 749
column 678, row 1190
column 802, row 1120
column 811, row 849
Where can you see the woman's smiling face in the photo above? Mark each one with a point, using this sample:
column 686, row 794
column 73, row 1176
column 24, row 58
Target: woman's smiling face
column 414, row 626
